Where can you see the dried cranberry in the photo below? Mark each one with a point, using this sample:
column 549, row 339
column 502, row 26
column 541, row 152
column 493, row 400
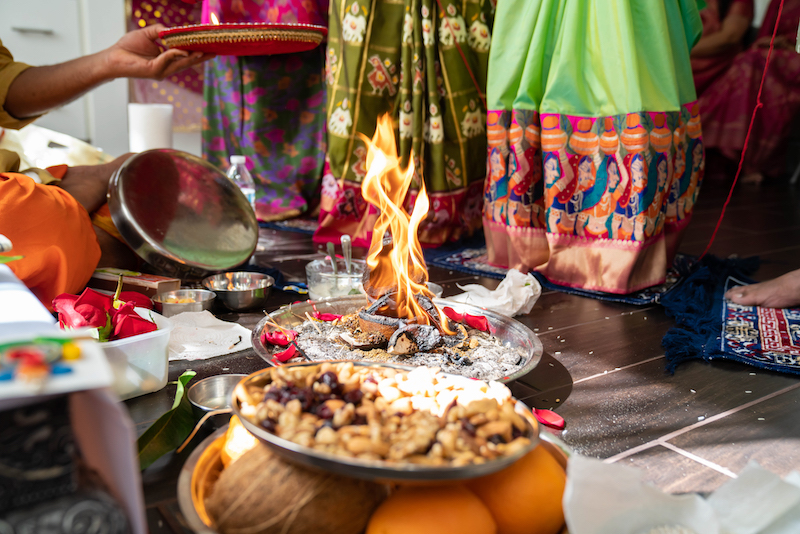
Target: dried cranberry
column 324, row 411
column 268, row 425
column 354, row 396
column 469, row 427
column 360, row 420
column 497, row 439
column 515, row 433
column 330, row 379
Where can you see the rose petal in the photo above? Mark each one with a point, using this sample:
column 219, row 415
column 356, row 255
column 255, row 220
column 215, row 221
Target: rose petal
column 126, row 322
column 278, row 337
column 64, row 305
column 139, row 300
column 90, row 297
column 453, row 315
column 326, row 316
column 286, row 355
column 549, row 418
column 478, row 322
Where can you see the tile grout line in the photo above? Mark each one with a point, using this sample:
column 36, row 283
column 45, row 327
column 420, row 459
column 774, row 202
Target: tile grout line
column 663, row 439
column 616, row 369
column 698, row 459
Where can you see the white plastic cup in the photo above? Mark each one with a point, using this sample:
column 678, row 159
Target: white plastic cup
column 149, row 126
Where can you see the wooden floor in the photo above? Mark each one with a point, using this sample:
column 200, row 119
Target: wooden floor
column 603, row 367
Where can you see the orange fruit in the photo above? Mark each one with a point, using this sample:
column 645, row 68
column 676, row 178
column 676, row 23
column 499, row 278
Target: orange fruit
column 525, row 497
column 447, row 509
column 237, row 442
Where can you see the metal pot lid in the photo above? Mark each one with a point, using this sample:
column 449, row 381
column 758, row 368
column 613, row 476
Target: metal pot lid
column 174, row 207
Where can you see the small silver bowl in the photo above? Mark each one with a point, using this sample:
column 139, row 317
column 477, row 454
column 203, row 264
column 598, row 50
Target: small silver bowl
column 202, row 299
column 240, row 290
column 212, row 393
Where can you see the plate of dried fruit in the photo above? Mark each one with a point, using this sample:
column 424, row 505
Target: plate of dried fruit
column 380, row 421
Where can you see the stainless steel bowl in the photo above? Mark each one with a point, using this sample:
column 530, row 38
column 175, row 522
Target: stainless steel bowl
column 373, row 469
column 202, row 299
column 181, row 214
column 213, row 393
column 241, row 290
column 511, row 332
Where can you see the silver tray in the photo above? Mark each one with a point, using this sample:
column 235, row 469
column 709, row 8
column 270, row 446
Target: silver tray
column 511, row 332
column 373, row 469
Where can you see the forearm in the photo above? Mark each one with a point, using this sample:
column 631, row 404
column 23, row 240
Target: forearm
column 728, row 38
column 40, row 89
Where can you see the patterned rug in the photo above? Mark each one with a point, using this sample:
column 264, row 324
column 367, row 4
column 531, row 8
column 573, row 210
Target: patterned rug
column 709, row 327
column 470, row 257
column 300, row 225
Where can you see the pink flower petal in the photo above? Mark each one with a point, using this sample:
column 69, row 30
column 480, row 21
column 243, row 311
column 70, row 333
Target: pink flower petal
column 549, row 418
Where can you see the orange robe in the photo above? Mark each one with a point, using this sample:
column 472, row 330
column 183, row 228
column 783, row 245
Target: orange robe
column 51, row 230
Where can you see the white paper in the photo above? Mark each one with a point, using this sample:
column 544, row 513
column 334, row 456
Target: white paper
column 149, row 126
column 106, row 438
column 200, row 335
column 755, row 500
column 605, row 498
column 20, row 311
column 515, row 295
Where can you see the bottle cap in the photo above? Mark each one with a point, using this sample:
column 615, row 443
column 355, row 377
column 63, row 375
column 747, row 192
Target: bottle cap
column 238, row 159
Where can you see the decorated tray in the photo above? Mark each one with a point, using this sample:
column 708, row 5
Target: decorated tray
column 247, row 39
column 399, row 461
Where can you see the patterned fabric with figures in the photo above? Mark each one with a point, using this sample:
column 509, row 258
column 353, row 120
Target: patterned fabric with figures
column 424, row 61
column 595, row 154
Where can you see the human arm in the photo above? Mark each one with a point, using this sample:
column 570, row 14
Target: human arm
column 136, row 55
column 730, row 35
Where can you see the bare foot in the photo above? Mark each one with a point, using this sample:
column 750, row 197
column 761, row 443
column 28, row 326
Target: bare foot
column 781, row 292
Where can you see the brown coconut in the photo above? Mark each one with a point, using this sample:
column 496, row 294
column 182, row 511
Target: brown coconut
column 262, row 494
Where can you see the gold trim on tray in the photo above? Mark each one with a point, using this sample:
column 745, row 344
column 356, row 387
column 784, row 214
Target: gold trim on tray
column 240, row 36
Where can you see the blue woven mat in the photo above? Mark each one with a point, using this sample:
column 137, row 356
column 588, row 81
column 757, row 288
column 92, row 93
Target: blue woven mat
column 300, row 225
column 469, row 257
column 709, row 327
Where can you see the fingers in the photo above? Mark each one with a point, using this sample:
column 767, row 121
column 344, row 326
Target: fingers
column 179, row 64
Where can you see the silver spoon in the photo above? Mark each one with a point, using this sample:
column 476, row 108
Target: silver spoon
column 347, row 250
column 332, row 254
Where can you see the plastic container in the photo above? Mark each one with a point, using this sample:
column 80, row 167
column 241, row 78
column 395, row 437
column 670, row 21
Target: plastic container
column 140, row 363
column 239, row 175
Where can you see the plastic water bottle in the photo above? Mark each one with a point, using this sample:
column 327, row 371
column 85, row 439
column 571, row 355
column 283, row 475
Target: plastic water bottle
column 239, row 175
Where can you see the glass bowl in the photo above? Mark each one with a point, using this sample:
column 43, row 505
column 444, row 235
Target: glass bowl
column 323, row 284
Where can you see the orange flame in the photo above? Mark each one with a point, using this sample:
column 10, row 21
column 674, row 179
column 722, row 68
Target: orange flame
column 399, row 264
column 214, row 19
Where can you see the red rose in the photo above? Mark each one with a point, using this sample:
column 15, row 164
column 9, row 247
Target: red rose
column 90, row 309
column 125, row 322
column 139, row 300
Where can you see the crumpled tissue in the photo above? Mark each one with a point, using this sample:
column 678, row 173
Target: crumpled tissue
column 605, row 498
column 200, row 335
column 515, row 295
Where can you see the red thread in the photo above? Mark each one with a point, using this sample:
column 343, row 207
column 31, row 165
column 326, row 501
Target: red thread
column 749, row 128
column 464, row 58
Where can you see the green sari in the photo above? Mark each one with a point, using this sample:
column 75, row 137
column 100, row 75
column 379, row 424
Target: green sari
column 595, row 154
column 425, row 62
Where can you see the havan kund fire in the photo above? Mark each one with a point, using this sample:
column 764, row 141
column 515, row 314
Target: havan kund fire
column 399, row 321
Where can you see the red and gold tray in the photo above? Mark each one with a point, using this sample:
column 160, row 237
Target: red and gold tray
column 248, row 39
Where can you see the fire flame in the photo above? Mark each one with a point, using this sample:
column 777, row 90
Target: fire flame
column 214, row 19
column 397, row 264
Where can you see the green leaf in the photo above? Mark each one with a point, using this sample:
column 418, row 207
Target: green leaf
column 6, row 259
column 171, row 429
column 103, row 334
